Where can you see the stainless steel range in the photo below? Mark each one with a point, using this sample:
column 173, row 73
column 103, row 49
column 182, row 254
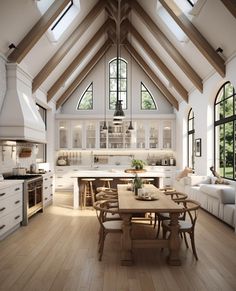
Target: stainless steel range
column 32, row 194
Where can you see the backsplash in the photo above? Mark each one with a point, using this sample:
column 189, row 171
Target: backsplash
column 10, row 156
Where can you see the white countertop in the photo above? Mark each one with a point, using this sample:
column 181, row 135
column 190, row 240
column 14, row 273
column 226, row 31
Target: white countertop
column 8, row 183
column 113, row 174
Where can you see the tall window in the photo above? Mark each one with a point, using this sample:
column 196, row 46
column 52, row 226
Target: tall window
column 225, row 131
column 147, row 101
column 86, row 100
column 122, row 88
column 191, row 132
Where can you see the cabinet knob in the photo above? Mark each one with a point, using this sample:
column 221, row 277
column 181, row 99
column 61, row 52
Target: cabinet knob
column 17, row 201
column 45, row 198
column 16, row 189
column 3, row 208
column 2, row 226
column 2, row 194
column 16, row 217
column 45, row 188
column 46, row 179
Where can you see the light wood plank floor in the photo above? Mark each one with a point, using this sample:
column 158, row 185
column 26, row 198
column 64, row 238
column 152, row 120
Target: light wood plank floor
column 58, row 251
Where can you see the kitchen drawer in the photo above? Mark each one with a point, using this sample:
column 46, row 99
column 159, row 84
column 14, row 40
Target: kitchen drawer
column 9, row 204
column 10, row 220
column 10, row 191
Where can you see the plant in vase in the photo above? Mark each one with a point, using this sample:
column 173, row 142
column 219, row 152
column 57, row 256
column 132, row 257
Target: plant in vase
column 138, row 183
column 137, row 164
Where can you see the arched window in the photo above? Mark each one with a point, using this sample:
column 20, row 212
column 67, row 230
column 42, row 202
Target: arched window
column 113, row 83
column 225, row 131
column 147, row 101
column 191, row 132
column 86, row 100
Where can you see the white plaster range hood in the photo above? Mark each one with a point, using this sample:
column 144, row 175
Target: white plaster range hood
column 19, row 116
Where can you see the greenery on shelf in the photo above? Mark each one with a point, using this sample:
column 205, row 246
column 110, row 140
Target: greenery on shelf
column 137, row 164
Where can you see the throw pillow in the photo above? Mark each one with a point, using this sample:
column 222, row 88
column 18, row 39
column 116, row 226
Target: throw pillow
column 184, row 173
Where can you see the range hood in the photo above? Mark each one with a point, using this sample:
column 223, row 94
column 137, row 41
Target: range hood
column 19, row 116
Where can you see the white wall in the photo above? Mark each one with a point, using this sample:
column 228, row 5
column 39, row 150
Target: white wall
column 203, row 108
column 3, row 82
column 97, row 77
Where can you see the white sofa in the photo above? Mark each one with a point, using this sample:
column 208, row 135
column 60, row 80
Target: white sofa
column 217, row 199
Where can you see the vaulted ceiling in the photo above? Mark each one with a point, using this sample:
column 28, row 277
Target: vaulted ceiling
column 176, row 67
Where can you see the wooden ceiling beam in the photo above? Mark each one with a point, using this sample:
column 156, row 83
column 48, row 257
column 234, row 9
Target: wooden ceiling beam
column 37, row 31
column 163, row 68
column 195, row 36
column 77, row 60
column 231, row 6
column 168, row 46
column 151, row 75
column 83, row 74
column 67, row 45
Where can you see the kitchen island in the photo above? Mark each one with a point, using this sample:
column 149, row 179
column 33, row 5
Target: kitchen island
column 115, row 174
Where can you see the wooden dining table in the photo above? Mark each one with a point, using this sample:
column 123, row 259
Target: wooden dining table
column 129, row 205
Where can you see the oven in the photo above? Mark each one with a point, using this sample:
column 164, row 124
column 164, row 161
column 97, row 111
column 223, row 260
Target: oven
column 32, row 195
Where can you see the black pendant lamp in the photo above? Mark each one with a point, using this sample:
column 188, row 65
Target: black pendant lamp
column 119, row 114
column 105, row 128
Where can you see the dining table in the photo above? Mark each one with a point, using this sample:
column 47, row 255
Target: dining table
column 153, row 201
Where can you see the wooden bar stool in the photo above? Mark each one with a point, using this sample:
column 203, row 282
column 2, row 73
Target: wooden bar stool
column 147, row 180
column 126, row 180
column 106, row 182
column 87, row 191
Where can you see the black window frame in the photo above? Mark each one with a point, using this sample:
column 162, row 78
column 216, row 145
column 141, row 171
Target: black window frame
column 223, row 121
column 120, row 78
column 191, row 3
column 81, row 98
column 142, row 84
column 191, row 133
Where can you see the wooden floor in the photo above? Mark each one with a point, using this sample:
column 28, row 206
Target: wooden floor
column 58, row 251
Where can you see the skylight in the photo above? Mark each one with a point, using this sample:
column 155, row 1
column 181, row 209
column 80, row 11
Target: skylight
column 64, row 19
column 61, row 15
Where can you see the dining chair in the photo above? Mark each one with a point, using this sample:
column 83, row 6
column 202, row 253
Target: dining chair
column 102, row 208
column 159, row 217
column 190, row 208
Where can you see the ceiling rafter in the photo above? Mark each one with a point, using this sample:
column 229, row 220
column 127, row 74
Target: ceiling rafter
column 37, row 31
column 163, row 68
column 84, row 73
column 168, row 46
column 77, row 60
column 195, row 36
column 230, row 5
column 67, row 45
column 151, row 75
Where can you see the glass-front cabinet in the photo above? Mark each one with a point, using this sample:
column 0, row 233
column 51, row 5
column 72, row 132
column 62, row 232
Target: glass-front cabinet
column 63, row 134
column 154, row 134
column 91, row 134
column 77, row 134
column 86, row 134
column 167, row 132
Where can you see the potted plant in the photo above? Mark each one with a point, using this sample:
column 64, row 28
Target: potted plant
column 138, row 183
column 137, row 164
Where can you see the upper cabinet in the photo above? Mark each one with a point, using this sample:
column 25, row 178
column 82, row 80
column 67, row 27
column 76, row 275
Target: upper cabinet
column 89, row 134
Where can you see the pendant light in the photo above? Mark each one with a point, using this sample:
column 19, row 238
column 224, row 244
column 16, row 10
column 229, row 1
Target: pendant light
column 104, row 128
column 131, row 128
column 119, row 113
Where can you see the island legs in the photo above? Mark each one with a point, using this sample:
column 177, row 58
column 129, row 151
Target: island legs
column 126, row 241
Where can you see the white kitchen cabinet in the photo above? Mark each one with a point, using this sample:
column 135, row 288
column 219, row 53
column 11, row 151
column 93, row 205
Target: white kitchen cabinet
column 63, row 134
column 167, row 173
column 11, row 206
column 88, row 134
column 48, row 188
column 63, row 180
